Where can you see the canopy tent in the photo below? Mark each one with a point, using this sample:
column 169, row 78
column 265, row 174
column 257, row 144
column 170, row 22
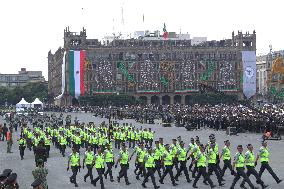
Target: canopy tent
column 37, row 104
column 22, row 105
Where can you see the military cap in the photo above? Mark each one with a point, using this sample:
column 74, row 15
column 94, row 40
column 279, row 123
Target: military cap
column 11, row 178
column 36, row 182
column 6, row 173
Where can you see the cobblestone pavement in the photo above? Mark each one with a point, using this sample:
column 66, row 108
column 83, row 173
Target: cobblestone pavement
column 58, row 177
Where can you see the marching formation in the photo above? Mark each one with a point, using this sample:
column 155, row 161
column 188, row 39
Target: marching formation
column 106, row 146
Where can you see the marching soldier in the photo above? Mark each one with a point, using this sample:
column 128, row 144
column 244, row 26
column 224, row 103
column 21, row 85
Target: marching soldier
column 168, row 159
column 150, row 166
column 250, row 165
column 239, row 163
column 109, row 158
column 182, row 158
column 200, row 161
column 74, row 158
column 226, row 155
column 41, row 172
column 22, row 146
column 264, row 160
column 123, row 159
column 88, row 161
column 100, row 166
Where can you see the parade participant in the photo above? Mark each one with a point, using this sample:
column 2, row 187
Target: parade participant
column 3, row 177
column 62, row 143
column 131, row 138
column 47, row 142
column 109, row 158
column 140, row 154
column 250, row 165
column 150, row 166
column 194, row 153
column 37, row 184
column 40, row 153
column 182, row 159
column 226, row 155
column 123, row 159
column 11, row 182
column 264, row 160
column 191, row 146
column 41, row 172
column 88, row 161
column 200, row 161
column 212, row 162
column 158, row 158
column 74, row 158
column 167, row 159
column 22, row 146
column 9, row 139
column 150, row 137
column 173, row 150
column 239, row 163
column 100, row 166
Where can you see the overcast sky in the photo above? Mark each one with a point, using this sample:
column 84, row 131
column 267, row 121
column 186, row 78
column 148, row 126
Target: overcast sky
column 30, row 28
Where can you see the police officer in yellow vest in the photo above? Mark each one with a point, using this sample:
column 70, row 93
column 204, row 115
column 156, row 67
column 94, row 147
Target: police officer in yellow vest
column 239, row 163
column 88, row 161
column 264, row 160
column 182, row 159
column 109, row 157
column 100, row 166
column 22, row 146
column 158, row 158
column 250, row 165
column 74, row 158
column 200, row 161
column 168, row 160
column 62, row 142
column 150, row 166
column 226, row 155
column 123, row 159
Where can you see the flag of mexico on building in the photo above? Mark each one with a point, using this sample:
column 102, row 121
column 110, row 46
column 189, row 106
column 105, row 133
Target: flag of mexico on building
column 76, row 73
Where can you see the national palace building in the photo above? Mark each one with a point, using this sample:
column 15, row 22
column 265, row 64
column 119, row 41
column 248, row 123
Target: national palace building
column 150, row 67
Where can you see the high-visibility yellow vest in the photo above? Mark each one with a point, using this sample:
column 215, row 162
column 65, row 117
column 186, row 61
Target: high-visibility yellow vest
column 100, row 162
column 22, row 142
column 264, row 155
column 201, row 162
column 89, row 158
column 124, row 157
column 141, row 155
column 240, row 161
column 109, row 155
column 250, row 158
column 226, row 153
column 157, row 154
column 150, row 162
column 75, row 158
column 212, row 156
column 168, row 160
column 182, row 154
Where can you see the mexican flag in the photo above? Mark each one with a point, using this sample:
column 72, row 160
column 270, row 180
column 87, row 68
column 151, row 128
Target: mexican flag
column 76, row 73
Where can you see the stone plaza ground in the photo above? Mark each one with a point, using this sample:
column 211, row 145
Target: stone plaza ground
column 58, row 177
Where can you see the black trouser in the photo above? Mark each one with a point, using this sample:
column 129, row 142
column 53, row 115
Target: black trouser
column 62, row 149
column 29, row 144
column 241, row 173
column 150, row 173
column 74, row 174
column 184, row 169
column 141, row 168
column 213, row 167
column 251, row 171
column 191, row 164
column 158, row 167
column 116, row 143
column 169, row 170
column 175, row 162
column 100, row 176
column 150, row 142
column 95, row 147
column 90, row 172
column 22, row 151
column 202, row 171
column 195, row 169
column 47, row 147
column 109, row 169
column 131, row 142
column 265, row 165
column 123, row 172
column 227, row 164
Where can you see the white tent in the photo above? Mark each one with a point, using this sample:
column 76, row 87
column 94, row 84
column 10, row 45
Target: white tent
column 37, row 103
column 22, row 105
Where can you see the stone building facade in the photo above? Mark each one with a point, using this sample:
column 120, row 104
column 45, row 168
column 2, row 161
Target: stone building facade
column 155, row 70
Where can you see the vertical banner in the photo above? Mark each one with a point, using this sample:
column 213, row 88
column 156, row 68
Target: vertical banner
column 249, row 73
column 76, row 73
column 63, row 77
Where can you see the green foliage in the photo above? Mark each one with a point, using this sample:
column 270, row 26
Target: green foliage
column 107, row 100
column 29, row 92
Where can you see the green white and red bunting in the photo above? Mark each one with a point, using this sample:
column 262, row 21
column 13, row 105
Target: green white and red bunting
column 76, row 73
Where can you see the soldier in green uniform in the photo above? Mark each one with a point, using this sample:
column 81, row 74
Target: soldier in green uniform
column 11, row 182
column 41, row 172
